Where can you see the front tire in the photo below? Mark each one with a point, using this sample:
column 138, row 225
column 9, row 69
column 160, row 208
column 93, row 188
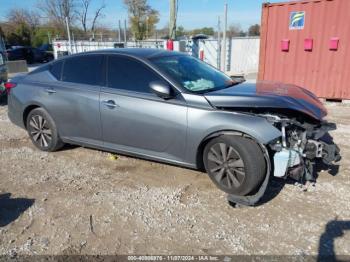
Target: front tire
column 235, row 164
column 42, row 131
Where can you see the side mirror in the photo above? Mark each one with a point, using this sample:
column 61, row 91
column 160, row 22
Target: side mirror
column 161, row 89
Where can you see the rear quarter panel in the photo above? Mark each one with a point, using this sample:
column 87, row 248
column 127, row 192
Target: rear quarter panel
column 28, row 92
column 69, row 107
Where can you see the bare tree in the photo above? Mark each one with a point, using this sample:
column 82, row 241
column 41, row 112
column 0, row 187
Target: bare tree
column 20, row 15
column 83, row 11
column 56, row 11
column 21, row 25
column 98, row 14
column 234, row 30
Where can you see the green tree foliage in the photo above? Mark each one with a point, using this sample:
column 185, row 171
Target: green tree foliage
column 180, row 31
column 43, row 35
column 20, row 27
column 143, row 18
column 254, row 30
column 205, row 30
column 21, row 35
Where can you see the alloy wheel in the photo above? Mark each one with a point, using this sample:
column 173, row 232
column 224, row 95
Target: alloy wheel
column 40, row 131
column 226, row 165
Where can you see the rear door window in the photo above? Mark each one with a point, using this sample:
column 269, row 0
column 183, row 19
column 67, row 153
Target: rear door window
column 129, row 74
column 85, row 69
column 56, row 69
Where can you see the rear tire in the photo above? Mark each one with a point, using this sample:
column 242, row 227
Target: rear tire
column 235, row 164
column 42, row 131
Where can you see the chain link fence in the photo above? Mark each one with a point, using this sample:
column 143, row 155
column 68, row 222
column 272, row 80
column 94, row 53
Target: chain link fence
column 242, row 55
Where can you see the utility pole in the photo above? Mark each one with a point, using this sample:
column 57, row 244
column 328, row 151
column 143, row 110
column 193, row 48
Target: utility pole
column 68, row 33
column 224, row 44
column 75, row 46
column 49, row 37
column 125, row 33
column 219, row 43
column 147, row 33
column 172, row 20
column 119, row 32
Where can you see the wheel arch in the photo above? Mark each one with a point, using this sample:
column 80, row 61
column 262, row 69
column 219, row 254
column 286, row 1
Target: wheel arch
column 27, row 109
column 208, row 138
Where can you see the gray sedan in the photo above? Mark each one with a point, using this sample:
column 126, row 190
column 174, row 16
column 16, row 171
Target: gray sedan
column 170, row 107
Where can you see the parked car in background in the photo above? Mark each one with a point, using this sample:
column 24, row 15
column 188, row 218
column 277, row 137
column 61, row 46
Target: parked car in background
column 30, row 54
column 173, row 108
column 46, row 48
column 3, row 74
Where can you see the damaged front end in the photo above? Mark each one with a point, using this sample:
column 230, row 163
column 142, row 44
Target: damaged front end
column 301, row 145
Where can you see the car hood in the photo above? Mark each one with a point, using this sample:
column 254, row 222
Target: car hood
column 268, row 95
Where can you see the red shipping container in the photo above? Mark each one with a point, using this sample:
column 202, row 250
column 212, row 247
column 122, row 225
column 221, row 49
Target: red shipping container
column 308, row 44
column 321, row 65
column 334, row 43
column 285, row 45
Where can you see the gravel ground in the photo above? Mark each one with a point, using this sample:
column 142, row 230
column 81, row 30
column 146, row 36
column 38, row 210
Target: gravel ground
column 80, row 201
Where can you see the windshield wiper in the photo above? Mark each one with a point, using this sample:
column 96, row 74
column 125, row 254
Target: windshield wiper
column 233, row 83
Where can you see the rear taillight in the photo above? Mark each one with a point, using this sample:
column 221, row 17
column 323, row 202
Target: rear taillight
column 9, row 86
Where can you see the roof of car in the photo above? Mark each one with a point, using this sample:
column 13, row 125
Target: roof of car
column 138, row 52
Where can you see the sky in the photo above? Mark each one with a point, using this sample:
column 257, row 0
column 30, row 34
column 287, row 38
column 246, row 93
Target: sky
column 191, row 13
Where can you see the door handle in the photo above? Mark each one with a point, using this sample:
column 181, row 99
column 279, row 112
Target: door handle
column 109, row 103
column 50, row 90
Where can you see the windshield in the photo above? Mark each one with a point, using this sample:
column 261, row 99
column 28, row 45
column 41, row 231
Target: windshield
column 192, row 74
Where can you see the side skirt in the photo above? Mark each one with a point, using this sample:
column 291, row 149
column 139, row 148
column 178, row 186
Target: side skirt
column 129, row 153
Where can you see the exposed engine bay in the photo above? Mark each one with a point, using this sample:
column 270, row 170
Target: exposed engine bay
column 301, row 145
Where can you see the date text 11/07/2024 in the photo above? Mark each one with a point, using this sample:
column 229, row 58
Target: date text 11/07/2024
column 174, row 258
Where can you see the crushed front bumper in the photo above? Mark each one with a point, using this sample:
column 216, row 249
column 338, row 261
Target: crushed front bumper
column 297, row 160
column 321, row 144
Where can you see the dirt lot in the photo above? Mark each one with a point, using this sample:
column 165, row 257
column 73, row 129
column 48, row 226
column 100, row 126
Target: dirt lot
column 79, row 201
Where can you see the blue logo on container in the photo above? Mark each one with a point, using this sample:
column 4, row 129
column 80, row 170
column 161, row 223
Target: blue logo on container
column 297, row 20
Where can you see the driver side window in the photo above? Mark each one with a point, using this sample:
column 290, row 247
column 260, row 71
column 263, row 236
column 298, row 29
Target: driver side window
column 129, row 74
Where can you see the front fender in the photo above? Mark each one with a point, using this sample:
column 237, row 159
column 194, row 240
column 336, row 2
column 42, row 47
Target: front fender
column 203, row 123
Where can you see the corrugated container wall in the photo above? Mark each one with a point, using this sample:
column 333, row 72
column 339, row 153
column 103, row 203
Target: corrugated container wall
column 307, row 43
